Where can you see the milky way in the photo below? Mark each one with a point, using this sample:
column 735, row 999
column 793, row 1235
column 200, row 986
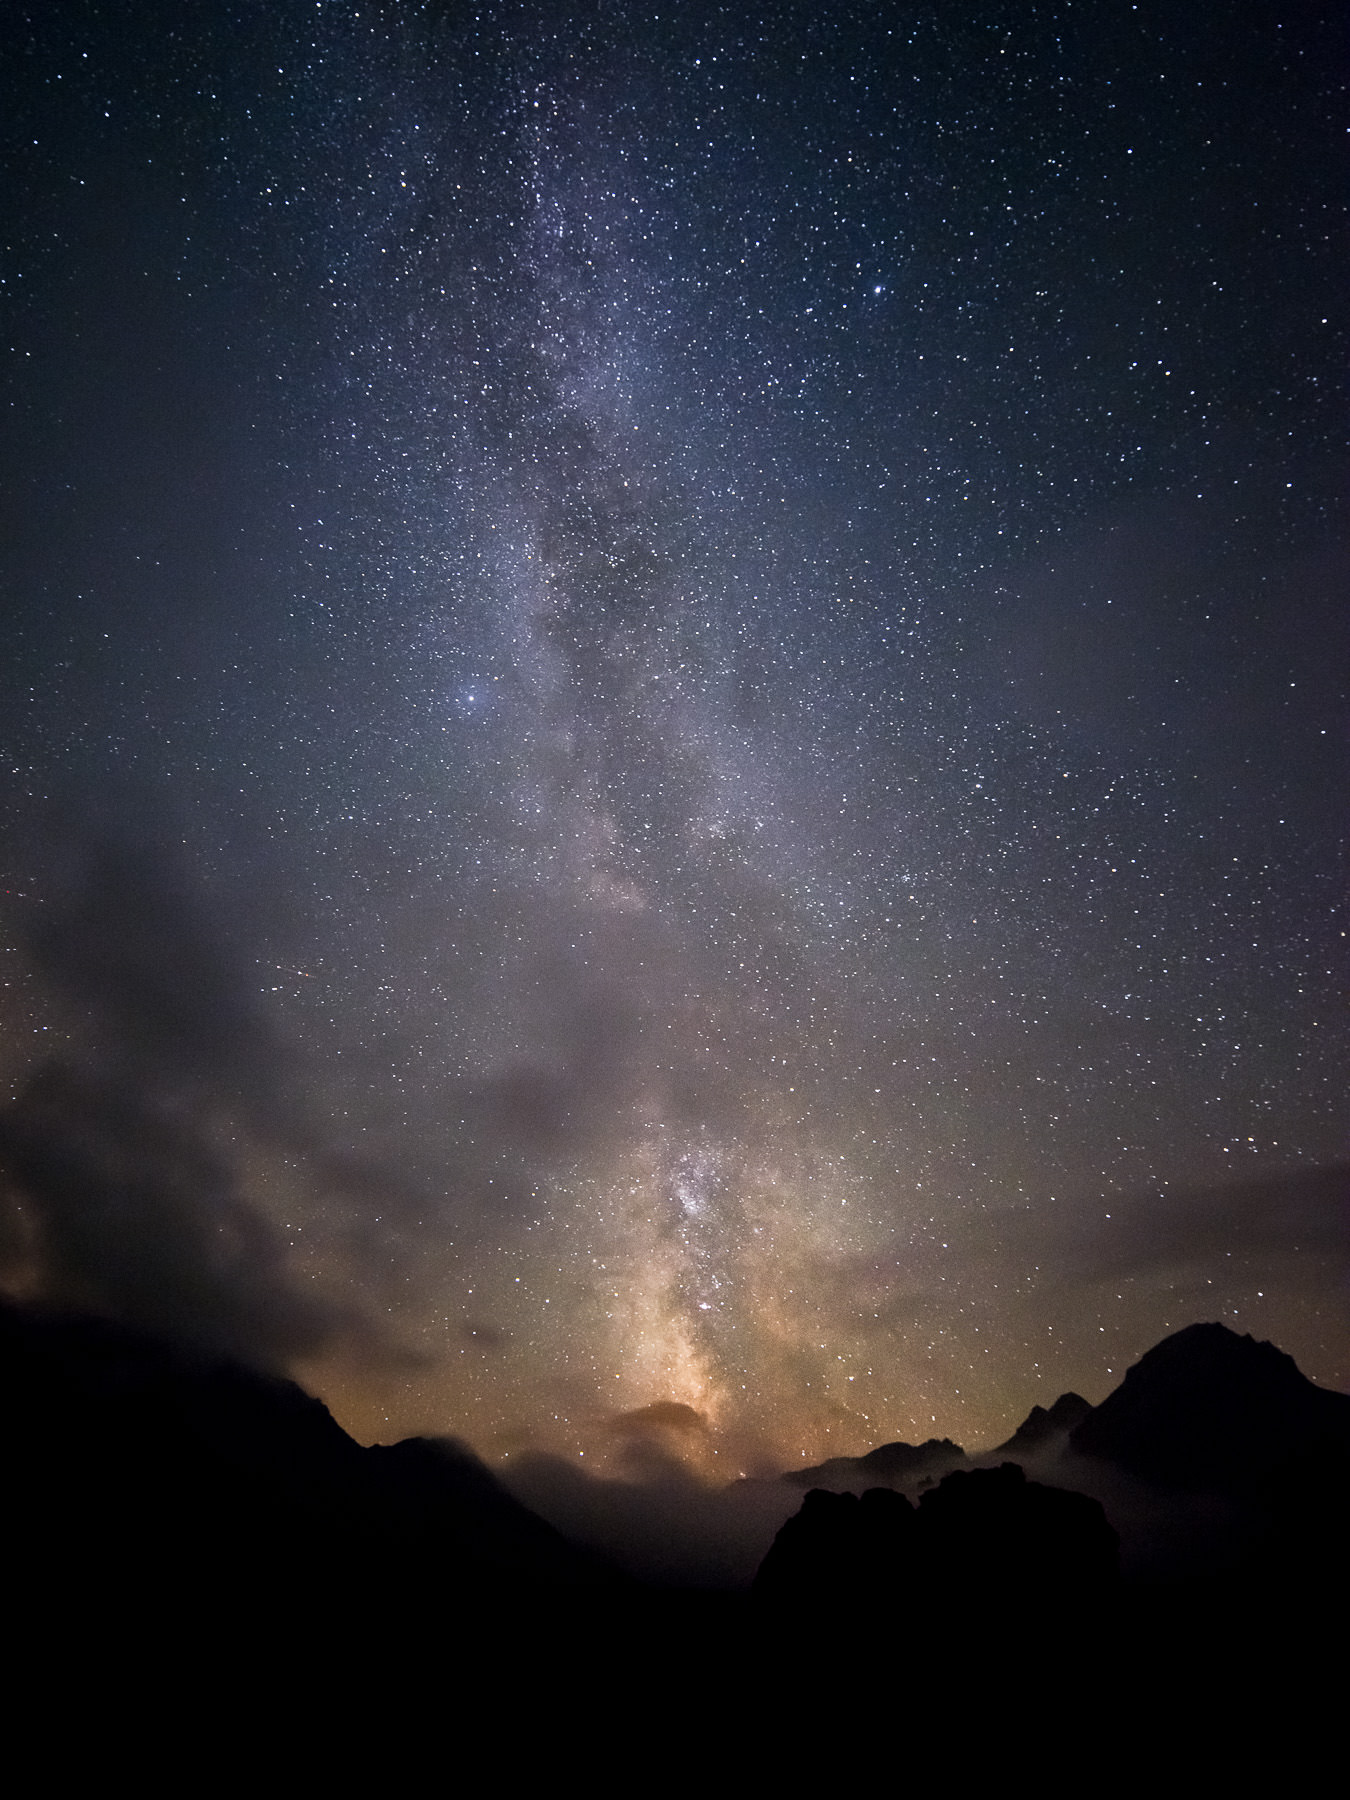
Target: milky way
column 673, row 721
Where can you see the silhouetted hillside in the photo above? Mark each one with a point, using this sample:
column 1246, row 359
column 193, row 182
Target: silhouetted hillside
column 980, row 1537
column 1207, row 1409
column 1225, row 1471
column 891, row 1465
column 144, row 1478
column 1041, row 1426
column 172, row 1490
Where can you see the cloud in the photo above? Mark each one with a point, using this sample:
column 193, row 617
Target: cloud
column 660, row 1416
column 131, row 945
column 1148, row 1236
column 121, row 1205
column 120, row 1158
column 666, row 1526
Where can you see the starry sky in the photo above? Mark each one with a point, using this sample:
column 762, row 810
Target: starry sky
column 673, row 704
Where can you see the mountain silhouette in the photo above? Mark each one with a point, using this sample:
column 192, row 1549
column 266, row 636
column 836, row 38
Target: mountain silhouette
column 889, row 1465
column 1208, row 1409
column 1042, row 1426
column 980, row 1537
column 154, row 1484
column 1246, row 1466
column 157, row 1485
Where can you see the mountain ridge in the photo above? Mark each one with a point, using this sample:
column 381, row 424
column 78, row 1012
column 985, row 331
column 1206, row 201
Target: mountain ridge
column 1207, row 1408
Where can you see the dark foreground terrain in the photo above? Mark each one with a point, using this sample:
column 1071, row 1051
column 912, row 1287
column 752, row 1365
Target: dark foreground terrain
column 206, row 1577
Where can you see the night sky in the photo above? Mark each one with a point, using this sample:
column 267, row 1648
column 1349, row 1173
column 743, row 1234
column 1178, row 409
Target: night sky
column 673, row 703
